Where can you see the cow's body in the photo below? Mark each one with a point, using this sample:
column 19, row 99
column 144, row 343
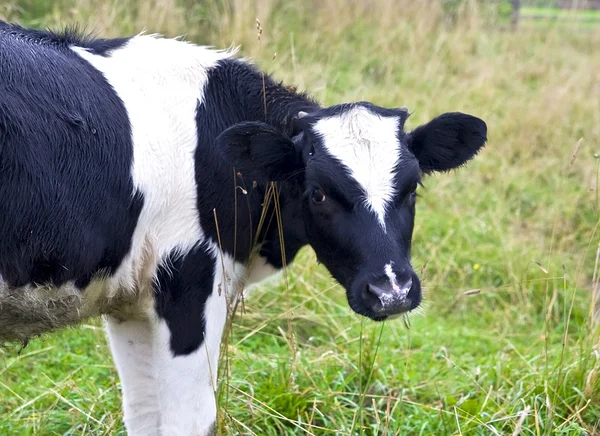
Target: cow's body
column 101, row 205
column 120, row 197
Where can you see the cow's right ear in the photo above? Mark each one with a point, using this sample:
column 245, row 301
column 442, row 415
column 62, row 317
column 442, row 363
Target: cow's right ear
column 259, row 150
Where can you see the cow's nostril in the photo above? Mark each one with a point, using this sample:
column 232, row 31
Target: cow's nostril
column 372, row 297
column 406, row 287
column 378, row 297
column 376, row 291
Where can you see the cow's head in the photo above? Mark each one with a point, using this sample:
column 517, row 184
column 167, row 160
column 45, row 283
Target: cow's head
column 358, row 171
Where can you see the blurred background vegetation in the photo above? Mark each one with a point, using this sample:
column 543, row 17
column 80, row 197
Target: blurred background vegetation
column 506, row 342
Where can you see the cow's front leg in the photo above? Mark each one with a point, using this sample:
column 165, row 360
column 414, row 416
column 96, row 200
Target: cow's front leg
column 192, row 313
column 131, row 346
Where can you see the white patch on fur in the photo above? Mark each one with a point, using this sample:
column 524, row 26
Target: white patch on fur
column 367, row 145
column 400, row 291
column 389, row 299
column 131, row 346
column 261, row 270
column 392, row 276
column 161, row 82
column 186, row 397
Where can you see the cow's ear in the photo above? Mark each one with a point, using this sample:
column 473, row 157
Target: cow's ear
column 260, row 150
column 448, row 141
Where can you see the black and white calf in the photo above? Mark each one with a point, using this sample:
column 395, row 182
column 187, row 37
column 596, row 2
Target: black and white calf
column 118, row 158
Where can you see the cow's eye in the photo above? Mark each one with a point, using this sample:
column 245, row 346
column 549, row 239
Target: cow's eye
column 411, row 198
column 317, row 196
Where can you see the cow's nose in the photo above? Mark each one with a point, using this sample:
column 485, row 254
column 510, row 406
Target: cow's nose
column 386, row 299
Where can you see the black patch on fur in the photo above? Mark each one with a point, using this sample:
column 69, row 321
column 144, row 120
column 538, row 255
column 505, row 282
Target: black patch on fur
column 212, row 431
column 68, row 205
column 233, row 95
column 183, row 284
column 60, row 39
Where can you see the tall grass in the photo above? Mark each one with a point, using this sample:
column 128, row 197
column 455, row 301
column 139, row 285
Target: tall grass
column 505, row 343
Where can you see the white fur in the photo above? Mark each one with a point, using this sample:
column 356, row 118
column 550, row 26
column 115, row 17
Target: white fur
column 260, row 270
column 389, row 272
column 400, row 293
column 186, row 396
column 131, row 346
column 368, row 146
column 161, row 82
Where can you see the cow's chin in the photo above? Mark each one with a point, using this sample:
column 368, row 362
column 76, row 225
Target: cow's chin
column 364, row 311
column 360, row 308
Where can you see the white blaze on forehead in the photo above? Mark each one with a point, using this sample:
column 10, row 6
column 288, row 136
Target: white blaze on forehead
column 367, row 145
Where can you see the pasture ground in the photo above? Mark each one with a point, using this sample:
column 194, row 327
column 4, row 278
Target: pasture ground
column 504, row 342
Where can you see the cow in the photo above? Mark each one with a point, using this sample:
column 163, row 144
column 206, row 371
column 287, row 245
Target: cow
column 148, row 180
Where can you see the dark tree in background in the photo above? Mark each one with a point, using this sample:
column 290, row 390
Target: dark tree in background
column 516, row 4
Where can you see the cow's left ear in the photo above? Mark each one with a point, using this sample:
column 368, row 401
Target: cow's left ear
column 260, row 150
column 448, row 141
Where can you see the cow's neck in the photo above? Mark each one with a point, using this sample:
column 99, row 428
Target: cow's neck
column 241, row 230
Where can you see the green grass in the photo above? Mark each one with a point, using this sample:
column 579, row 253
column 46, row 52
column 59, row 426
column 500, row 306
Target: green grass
column 471, row 363
column 577, row 19
column 550, row 12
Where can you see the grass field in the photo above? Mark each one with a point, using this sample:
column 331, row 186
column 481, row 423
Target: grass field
column 505, row 343
column 576, row 19
column 560, row 13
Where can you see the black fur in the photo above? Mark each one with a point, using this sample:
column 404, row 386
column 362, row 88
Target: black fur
column 70, row 36
column 233, row 95
column 67, row 211
column 183, row 285
column 260, row 151
column 447, row 142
